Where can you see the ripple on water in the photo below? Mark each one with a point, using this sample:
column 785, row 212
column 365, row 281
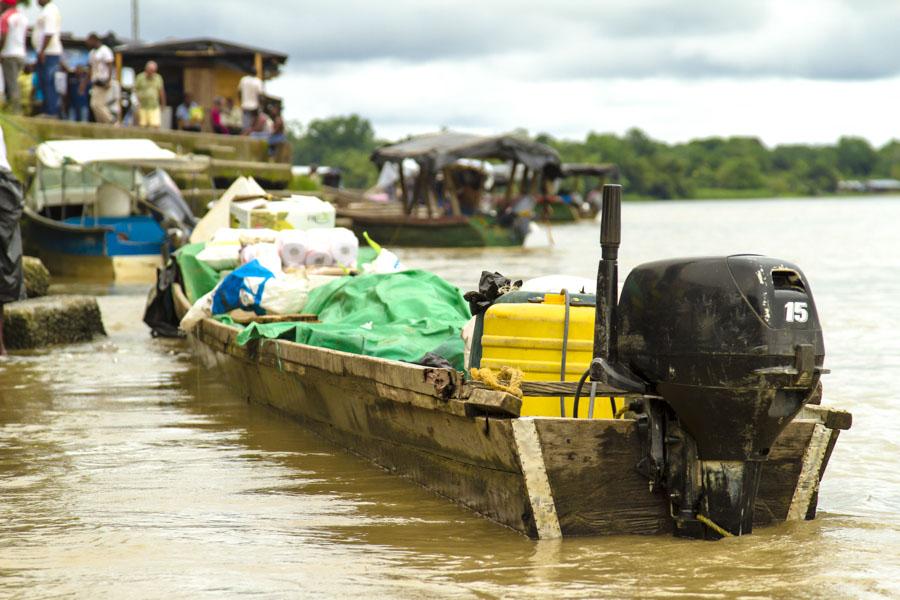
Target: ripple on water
column 125, row 471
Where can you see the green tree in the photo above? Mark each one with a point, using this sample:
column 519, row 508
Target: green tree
column 344, row 142
column 741, row 173
column 855, row 157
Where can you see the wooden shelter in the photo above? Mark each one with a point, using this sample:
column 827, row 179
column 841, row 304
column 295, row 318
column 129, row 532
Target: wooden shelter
column 204, row 67
column 439, row 153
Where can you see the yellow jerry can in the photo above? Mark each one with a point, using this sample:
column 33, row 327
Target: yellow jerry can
column 529, row 336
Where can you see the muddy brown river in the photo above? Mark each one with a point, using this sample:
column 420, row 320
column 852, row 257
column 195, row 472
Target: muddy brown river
column 126, row 471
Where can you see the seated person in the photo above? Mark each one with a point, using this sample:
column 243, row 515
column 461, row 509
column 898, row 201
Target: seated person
column 278, row 136
column 216, row 116
column 260, row 125
column 189, row 115
column 232, row 117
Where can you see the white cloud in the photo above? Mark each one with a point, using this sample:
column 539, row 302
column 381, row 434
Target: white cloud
column 787, row 71
column 403, row 99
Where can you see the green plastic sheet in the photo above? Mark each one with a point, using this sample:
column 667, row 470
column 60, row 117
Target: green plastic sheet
column 399, row 316
column 199, row 278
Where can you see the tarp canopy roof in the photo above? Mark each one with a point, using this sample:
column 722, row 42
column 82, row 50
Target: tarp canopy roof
column 590, row 169
column 197, row 47
column 137, row 152
column 434, row 151
column 205, row 50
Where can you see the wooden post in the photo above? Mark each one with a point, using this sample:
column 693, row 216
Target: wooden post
column 258, row 64
column 450, row 189
column 119, row 77
column 433, row 210
column 407, row 205
column 420, row 192
column 512, row 181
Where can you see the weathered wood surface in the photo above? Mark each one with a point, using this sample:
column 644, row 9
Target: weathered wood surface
column 493, row 402
column 590, row 464
column 427, row 425
column 470, row 460
column 244, row 317
column 591, row 467
column 40, row 322
column 565, row 388
column 781, row 472
column 537, row 483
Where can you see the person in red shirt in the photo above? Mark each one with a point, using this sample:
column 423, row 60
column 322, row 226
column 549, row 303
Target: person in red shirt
column 13, row 30
column 215, row 115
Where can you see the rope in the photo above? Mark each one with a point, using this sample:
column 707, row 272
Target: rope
column 509, row 379
column 712, row 525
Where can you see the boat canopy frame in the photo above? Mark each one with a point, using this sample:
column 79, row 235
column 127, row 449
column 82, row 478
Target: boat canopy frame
column 439, row 152
column 126, row 153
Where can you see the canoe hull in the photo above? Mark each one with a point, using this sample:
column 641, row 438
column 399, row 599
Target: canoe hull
column 89, row 253
column 471, row 232
column 543, row 477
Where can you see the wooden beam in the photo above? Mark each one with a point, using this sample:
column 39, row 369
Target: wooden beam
column 119, row 77
column 810, row 474
column 403, row 195
column 450, row 190
column 537, row 484
column 561, row 388
column 512, row 181
column 494, row 402
column 258, row 65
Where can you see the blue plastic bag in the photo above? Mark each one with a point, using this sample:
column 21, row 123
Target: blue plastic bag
column 242, row 288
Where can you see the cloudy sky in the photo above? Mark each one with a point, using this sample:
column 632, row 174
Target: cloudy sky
column 783, row 70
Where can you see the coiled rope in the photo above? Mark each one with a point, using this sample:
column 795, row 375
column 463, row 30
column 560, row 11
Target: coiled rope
column 509, row 379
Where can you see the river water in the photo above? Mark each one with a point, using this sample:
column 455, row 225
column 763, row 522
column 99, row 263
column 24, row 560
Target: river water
column 127, row 471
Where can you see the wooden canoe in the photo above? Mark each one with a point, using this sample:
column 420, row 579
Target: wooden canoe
column 544, row 477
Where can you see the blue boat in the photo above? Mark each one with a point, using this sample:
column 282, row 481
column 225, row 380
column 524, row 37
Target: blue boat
column 105, row 210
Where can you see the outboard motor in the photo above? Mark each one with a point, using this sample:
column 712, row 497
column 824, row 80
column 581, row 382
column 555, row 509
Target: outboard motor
column 169, row 208
column 733, row 349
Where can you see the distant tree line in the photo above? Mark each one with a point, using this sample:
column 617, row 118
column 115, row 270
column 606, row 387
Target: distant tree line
column 703, row 168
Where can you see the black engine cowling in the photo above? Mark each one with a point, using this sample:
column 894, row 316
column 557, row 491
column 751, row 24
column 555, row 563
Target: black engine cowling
column 735, row 348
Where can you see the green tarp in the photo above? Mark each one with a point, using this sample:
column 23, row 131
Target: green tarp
column 199, row 278
column 400, row 316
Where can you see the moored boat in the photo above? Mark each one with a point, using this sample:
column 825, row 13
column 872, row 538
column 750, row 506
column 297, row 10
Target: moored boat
column 96, row 209
column 701, row 452
column 434, row 191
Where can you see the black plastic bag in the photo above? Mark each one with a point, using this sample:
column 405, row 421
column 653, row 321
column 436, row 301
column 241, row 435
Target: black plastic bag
column 160, row 313
column 490, row 287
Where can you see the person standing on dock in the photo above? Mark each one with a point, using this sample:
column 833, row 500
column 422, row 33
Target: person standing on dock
column 12, row 281
column 13, row 31
column 151, row 96
column 45, row 38
column 100, row 59
column 250, row 89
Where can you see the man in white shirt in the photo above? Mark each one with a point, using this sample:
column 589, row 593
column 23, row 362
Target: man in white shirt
column 13, row 29
column 100, row 59
column 47, row 45
column 250, row 89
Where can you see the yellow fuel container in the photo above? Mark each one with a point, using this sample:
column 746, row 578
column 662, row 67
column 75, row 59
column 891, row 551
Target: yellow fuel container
column 529, row 336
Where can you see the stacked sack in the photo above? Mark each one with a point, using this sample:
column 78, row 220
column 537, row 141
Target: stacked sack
column 223, row 251
column 318, row 248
